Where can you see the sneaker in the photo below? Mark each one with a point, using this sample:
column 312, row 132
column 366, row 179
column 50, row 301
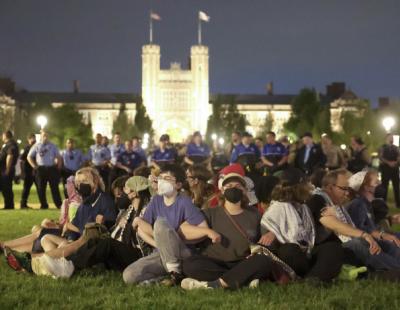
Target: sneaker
column 174, row 279
column 254, row 283
column 59, row 267
column 192, row 284
column 55, row 267
column 19, row 261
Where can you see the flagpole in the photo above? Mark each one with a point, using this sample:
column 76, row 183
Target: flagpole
column 151, row 29
column 199, row 35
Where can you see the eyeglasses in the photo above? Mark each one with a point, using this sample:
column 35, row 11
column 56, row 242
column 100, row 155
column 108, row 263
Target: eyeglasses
column 166, row 178
column 343, row 188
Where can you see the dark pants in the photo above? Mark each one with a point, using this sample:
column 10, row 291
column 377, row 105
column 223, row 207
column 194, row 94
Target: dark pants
column 391, row 174
column 29, row 179
column 324, row 263
column 235, row 274
column 6, row 182
column 49, row 175
column 114, row 254
column 65, row 174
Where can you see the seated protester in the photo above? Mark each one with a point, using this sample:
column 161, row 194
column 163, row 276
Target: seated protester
column 163, row 154
column 117, row 252
column 246, row 153
column 333, row 222
column 96, row 206
column 160, row 226
column 224, row 260
column 200, row 190
column 197, row 152
column 31, row 243
column 362, row 186
column 291, row 230
column 129, row 160
column 274, row 155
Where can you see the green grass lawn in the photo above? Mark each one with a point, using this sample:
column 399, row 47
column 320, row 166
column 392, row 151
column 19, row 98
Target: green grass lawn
column 99, row 289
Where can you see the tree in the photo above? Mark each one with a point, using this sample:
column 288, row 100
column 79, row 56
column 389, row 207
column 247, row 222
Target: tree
column 143, row 122
column 123, row 126
column 268, row 125
column 225, row 118
column 308, row 114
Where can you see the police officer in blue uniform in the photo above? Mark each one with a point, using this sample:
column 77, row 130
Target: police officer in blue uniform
column 8, row 158
column 274, row 155
column 197, row 151
column 163, row 154
column 129, row 160
column 72, row 160
column 100, row 157
column 46, row 161
column 247, row 154
column 27, row 172
column 116, row 150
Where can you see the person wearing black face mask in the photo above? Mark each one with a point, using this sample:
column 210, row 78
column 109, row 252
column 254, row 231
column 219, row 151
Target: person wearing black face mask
column 225, row 262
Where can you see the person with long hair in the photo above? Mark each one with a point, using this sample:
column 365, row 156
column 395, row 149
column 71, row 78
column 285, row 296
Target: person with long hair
column 201, row 191
column 291, row 231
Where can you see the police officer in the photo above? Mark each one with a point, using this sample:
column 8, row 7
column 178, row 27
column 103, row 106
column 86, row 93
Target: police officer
column 389, row 167
column 197, row 151
column 246, row 153
column 116, row 149
column 100, row 157
column 8, row 159
column 274, row 154
column 163, row 154
column 138, row 149
column 359, row 157
column 129, row 160
column 72, row 160
column 27, row 172
column 310, row 156
column 46, row 161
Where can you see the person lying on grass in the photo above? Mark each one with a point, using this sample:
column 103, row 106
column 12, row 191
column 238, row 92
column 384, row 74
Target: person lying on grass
column 292, row 234
column 227, row 263
column 31, row 243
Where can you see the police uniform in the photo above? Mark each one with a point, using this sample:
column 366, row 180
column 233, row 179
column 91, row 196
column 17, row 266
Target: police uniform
column 161, row 158
column 198, row 153
column 72, row 161
column 116, row 150
column 247, row 156
column 99, row 156
column 390, row 152
column 28, row 176
column 132, row 160
column 6, row 180
column 47, row 172
column 142, row 154
column 274, row 154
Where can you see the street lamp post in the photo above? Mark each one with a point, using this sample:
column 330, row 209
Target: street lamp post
column 388, row 123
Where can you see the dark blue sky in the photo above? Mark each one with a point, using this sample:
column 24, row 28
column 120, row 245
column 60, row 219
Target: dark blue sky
column 45, row 44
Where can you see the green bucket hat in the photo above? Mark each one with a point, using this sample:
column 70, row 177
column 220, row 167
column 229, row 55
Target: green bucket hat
column 137, row 183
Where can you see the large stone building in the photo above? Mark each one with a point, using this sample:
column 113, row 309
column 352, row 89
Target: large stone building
column 177, row 100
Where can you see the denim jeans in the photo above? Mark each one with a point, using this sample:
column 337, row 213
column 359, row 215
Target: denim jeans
column 388, row 259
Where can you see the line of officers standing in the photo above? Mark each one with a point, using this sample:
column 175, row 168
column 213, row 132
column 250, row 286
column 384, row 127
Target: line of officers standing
column 42, row 163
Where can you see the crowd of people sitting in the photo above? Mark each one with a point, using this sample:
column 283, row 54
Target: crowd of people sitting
column 202, row 219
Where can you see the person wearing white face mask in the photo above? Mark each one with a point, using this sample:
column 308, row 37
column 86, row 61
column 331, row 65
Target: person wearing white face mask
column 160, row 227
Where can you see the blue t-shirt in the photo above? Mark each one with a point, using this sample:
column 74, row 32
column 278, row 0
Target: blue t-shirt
column 201, row 150
column 242, row 150
column 182, row 210
column 116, row 150
column 274, row 152
column 99, row 154
column 132, row 160
column 98, row 205
column 73, row 159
